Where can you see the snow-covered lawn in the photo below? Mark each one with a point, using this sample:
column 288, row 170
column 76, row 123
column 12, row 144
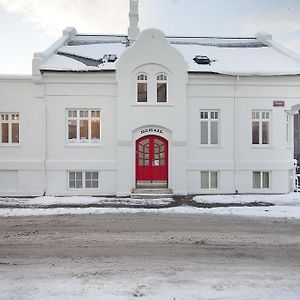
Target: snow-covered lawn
column 285, row 206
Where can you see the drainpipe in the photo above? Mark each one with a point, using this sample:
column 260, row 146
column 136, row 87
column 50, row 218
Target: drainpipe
column 235, row 134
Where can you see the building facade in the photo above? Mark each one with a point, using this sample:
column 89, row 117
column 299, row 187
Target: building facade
column 107, row 115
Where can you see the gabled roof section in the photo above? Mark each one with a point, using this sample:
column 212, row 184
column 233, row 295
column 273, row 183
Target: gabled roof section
column 257, row 56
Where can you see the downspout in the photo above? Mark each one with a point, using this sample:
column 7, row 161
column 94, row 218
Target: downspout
column 235, row 98
column 46, row 146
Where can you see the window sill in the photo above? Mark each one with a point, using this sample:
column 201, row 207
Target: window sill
column 11, row 145
column 83, row 145
column 209, row 147
column 83, row 190
column 261, row 147
column 162, row 104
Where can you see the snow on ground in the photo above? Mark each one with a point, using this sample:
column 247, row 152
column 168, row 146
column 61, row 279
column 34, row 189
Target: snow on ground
column 77, row 200
column 286, row 199
column 286, row 206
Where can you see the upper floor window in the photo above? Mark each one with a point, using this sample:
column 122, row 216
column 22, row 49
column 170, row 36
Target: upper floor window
column 142, row 86
column 161, row 88
column 9, row 128
column 261, row 127
column 209, row 127
column 83, row 126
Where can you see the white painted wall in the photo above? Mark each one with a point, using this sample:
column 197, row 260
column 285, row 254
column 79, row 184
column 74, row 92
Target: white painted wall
column 43, row 101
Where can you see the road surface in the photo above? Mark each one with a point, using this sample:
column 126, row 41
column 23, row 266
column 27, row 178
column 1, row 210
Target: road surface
column 149, row 256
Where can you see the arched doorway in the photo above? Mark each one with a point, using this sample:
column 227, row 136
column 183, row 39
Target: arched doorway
column 152, row 162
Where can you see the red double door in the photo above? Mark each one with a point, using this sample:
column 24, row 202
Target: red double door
column 151, row 159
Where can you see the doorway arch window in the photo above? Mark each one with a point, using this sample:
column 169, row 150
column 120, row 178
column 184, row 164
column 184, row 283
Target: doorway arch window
column 162, row 88
column 142, row 87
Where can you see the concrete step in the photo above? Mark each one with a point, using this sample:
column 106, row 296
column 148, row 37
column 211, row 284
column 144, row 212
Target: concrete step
column 154, row 193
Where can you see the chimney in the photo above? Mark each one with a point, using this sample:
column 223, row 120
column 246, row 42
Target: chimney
column 133, row 30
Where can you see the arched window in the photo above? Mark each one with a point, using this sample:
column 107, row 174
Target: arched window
column 162, row 88
column 142, row 80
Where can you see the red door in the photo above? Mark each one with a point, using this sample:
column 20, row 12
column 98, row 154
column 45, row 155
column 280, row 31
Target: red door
column 152, row 159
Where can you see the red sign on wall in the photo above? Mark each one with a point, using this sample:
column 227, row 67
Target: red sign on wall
column 278, row 103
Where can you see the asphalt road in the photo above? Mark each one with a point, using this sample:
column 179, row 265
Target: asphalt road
column 149, row 256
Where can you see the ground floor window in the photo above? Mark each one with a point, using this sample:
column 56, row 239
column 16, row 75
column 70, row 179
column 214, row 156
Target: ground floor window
column 261, row 180
column 83, row 179
column 209, row 180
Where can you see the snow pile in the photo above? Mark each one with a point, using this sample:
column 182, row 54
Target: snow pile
column 292, row 199
column 82, row 201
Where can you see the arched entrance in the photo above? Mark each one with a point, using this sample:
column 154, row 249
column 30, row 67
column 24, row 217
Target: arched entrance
column 152, row 162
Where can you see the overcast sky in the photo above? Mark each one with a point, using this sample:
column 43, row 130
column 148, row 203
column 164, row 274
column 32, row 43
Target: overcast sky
column 28, row 26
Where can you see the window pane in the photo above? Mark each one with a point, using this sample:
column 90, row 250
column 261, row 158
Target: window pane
column 72, row 175
column 161, row 92
column 142, row 92
column 214, row 133
column 72, row 131
column 88, row 184
column 78, row 175
column 15, row 132
column 265, row 133
column 213, row 180
column 84, row 129
column 266, row 180
column 255, row 132
column 72, row 184
column 84, row 113
column 78, row 184
column 256, row 180
column 95, row 175
column 88, row 175
column 204, row 180
column 4, row 132
column 96, row 129
column 204, row 133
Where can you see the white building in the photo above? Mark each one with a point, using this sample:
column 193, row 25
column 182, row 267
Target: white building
column 105, row 114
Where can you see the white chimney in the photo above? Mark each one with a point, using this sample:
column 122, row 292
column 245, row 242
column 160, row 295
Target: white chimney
column 133, row 30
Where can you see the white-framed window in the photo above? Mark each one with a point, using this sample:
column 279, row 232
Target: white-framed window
column 142, row 87
column 209, row 180
column 209, row 127
column 83, row 126
column 9, row 128
column 261, row 127
column 162, row 88
column 261, row 180
column 83, row 179
column 288, row 129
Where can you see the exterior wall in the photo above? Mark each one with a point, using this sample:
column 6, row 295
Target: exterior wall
column 80, row 91
column 40, row 162
column 151, row 54
column 236, row 98
column 21, row 165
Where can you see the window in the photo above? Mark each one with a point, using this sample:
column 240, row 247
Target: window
column 83, row 126
column 261, row 128
column 209, row 128
column 261, row 180
column 9, row 128
column 288, row 129
column 209, row 180
column 142, row 87
column 83, row 180
column 161, row 88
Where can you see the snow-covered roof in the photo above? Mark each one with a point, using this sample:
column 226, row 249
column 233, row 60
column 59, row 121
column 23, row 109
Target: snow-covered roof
column 229, row 56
